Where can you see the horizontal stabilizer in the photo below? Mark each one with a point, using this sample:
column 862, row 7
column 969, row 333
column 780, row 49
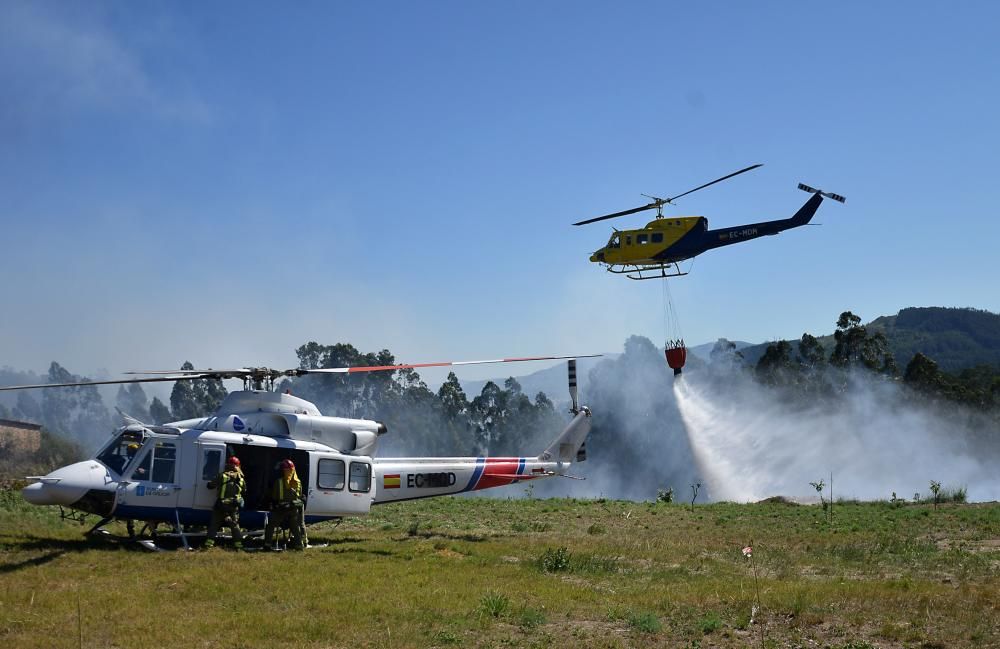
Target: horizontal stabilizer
column 811, row 190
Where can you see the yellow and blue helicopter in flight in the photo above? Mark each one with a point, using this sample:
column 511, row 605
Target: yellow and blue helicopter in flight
column 654, row 251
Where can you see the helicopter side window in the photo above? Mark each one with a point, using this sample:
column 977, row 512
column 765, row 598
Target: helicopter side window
column 213, row 458
column 615, row 242
column 361, row 476
column 164, row 460
column 331, row 475
column 142, row 471
column 628, row 240
column 642, row 239
column 657, row 237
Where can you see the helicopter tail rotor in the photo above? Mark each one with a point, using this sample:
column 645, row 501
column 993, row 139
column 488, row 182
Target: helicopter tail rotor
column 811, row 190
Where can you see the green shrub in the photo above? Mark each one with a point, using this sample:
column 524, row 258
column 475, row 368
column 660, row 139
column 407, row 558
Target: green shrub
column 645, row 622
column 531, row 618
column 710, row 623
column 494, row 604
column 554, row 560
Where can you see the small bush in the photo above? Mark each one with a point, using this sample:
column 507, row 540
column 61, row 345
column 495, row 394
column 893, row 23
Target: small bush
column 445, row 637
column 710, row 623
column 554, row 560
column 531, row 618
column 596, row 528
column 494, row 604
column 645, row 622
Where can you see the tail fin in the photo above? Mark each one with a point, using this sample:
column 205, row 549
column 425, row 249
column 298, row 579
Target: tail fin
column 570, row 442
column 570, row 445
column 806, row 212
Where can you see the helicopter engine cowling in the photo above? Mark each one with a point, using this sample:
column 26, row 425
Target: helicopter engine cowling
column 352, row 436
column 283, row 415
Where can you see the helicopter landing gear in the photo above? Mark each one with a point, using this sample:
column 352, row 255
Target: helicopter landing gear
column 651, row 271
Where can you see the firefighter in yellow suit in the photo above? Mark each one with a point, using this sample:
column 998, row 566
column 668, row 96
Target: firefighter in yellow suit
column 226, row 511
column 287, row 508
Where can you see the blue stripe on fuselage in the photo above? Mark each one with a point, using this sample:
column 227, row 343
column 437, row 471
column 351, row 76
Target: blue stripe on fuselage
column 520, row 467
column 474, row 480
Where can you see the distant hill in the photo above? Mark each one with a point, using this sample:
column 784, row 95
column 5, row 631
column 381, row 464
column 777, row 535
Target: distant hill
column 954, row 338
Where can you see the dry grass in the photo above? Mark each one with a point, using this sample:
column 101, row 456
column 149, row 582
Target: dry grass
column 470, row 572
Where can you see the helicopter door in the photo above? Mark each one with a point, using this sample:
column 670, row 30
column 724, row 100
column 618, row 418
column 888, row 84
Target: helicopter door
column 339, row 484
column 152, row 483
column 209, row 463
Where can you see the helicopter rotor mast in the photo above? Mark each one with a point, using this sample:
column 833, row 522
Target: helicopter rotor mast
column 658, row 202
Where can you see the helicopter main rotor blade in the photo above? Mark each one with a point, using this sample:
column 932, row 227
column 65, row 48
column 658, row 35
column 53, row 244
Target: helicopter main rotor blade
column 234, row 372
column 718, row 180
column 263, row 373
column 617, row 214
column 659, row 202
column 385, row 368
column 186, row 377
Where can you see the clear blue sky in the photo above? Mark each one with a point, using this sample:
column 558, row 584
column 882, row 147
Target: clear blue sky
column 221, row 182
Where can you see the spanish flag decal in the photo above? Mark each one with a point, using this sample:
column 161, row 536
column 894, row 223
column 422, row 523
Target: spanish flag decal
column 390, row 481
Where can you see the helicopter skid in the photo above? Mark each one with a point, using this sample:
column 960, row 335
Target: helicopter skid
column 652, row 271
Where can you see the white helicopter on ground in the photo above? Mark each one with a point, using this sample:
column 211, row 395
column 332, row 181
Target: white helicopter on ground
column 165, row 480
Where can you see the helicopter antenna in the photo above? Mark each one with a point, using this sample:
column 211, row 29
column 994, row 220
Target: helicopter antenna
column 658, row 203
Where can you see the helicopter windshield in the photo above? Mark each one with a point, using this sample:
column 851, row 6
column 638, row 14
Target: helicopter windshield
column 614, row 242
column 120, row 451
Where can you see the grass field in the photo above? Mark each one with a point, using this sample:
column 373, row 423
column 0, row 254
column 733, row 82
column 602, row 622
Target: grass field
column 525, row 573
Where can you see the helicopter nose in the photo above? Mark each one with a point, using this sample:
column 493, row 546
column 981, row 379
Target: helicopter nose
column 69, row 485
column 38, row 494
column 598, row 256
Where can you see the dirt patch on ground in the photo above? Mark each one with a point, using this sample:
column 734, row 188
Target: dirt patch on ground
column 966, row 545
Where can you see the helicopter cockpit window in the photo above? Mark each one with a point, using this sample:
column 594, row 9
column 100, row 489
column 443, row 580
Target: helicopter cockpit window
column 164, row 460
column 331, row 475
column 121, row 450
column 361, row 476
column 615, row 241
column 641, row 239
column 657, row 237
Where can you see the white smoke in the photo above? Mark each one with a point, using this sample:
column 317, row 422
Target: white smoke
column 875, row 441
